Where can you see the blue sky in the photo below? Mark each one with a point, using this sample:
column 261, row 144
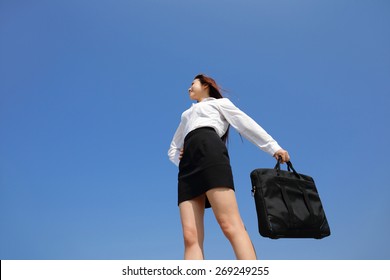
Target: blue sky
column 91, row 93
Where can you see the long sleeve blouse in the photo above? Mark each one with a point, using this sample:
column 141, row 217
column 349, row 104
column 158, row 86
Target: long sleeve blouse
column 218, row 114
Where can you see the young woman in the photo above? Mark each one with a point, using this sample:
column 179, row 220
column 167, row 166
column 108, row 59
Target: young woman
column 205, row 176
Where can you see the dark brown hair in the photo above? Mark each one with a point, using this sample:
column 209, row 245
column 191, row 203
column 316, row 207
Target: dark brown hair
column 214, row 91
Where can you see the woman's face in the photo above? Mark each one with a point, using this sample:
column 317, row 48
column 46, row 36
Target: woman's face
column 198, row 91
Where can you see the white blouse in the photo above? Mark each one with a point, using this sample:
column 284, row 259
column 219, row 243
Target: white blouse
column 218, row 114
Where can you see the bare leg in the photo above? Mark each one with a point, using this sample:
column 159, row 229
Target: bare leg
column 224, row 204
column 192, row 215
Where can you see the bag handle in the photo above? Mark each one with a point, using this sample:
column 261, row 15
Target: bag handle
column 289, row 167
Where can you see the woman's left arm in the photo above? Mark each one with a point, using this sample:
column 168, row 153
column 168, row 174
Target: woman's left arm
column 252, row 131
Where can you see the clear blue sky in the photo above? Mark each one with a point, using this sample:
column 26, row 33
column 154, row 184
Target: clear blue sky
column 91, row 93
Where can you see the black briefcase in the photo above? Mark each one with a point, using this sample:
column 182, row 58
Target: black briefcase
column 288, row 204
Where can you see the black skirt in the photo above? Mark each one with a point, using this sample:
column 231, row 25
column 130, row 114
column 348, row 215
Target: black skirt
column 205, row 165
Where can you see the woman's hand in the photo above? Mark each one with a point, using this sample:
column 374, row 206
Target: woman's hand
column 181, row 154
column 282, row 155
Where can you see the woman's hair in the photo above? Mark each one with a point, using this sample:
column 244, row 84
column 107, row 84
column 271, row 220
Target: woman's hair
column 214, row 91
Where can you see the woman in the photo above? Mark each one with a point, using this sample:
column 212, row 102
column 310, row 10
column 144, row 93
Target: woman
column 205, row 178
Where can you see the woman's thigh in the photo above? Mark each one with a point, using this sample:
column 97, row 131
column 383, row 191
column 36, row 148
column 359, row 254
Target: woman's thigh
column 224, row 204
column 192, row 217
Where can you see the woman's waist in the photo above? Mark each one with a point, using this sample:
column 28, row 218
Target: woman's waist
column 220, row 127
column 199, row 130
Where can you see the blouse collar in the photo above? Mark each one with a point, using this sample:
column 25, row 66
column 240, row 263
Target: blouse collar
column 207, row 99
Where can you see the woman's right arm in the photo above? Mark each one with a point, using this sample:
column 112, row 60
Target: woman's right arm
column 175, row 150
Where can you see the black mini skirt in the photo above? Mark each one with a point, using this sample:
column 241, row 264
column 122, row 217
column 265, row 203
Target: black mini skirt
column 205, row 165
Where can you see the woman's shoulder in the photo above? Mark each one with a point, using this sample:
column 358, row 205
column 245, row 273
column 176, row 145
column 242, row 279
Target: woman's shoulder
column 224, row 101
column 216, row 102
column 220, row 100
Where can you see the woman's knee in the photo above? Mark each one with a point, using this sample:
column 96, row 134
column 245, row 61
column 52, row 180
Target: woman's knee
column 230, row 226
column 191, row 236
